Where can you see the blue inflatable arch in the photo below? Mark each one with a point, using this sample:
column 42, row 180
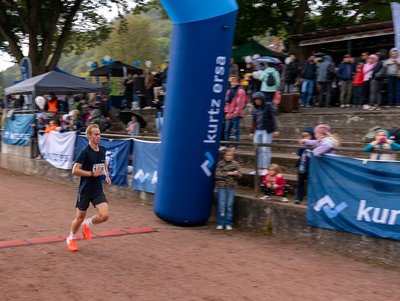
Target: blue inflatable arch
column 201, row 47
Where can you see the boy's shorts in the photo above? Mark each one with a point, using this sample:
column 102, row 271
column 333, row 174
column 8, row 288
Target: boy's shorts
column 83, row 201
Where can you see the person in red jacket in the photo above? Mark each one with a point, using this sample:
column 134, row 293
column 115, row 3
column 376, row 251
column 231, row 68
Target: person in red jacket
column 274, row 183
column 235, row 101
column 357, row 86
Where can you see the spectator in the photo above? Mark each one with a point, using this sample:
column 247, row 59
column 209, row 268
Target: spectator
column 274, row 183
column 164, row 76
column 235, row 100
column 303, row 165
column 345, row 75
column 368, row 69
column 233, row 68
column 382, row 142
column 325, row 141
column 325, row 76
column 270, row 82
column 100, row 120
column 128, row 94
column 52, row 126
column 263, row 129
column 133, row 126
column 376, row 81
column 357, row 85
column 148, row 84
column 159, row 105
column 308, row 75
column 157, row 83
column 392, row 70
column 226, row 176
column 292, row 72
column 52, row 104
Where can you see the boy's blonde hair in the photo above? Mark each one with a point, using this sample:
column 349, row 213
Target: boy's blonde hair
column 89, row 129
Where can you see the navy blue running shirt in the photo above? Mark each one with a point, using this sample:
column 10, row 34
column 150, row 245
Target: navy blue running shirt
column 91, row 160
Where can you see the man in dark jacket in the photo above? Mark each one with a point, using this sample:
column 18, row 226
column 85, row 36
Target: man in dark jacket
column 345, row 76
column 308, row 75
column 292, row 71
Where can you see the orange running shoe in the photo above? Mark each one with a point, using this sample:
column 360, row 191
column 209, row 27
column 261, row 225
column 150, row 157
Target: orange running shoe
column 72, row 245
column 87, row 234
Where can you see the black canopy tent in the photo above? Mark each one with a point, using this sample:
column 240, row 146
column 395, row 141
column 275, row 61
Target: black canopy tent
column 115, row 69
column 53, row 81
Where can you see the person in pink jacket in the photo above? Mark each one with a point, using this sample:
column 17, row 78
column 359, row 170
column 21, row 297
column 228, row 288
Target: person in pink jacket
column 235, row 101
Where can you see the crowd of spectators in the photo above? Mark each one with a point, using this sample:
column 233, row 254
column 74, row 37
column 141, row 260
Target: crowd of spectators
column 66, row 112
column 369, row 81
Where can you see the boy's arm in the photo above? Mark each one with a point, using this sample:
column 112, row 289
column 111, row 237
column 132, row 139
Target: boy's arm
column 108, row 180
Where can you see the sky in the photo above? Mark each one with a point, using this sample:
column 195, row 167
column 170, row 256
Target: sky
column 5, row 61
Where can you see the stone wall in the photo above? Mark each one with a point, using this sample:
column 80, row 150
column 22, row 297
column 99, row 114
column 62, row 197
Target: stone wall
column 268, row 217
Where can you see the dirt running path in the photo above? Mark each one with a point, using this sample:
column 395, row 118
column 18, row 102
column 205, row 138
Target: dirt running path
column 170, row 264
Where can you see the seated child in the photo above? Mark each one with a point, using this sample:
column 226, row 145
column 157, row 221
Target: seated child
column 382, row 142
column 274, row 183
column 133, row 126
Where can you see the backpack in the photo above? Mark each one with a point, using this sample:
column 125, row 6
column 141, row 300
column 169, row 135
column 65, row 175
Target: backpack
column 270, row 79
column 370, row 135
column 394, row 134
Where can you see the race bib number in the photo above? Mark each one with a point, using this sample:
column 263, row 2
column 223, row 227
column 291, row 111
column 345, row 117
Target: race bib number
column 99, row 165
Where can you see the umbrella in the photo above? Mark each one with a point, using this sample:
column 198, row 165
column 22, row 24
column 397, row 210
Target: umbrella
column 269, row 59
column 125, row 117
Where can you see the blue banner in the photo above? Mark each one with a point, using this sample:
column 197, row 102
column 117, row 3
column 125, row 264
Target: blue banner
column 145, row 165
column 355, row 195
column 18, row 129
column 117, row 157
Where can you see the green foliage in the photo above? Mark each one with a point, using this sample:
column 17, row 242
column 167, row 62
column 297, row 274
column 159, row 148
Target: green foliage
column 145, row 37
column 49, row 27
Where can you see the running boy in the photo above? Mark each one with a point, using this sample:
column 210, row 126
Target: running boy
column 90, row 166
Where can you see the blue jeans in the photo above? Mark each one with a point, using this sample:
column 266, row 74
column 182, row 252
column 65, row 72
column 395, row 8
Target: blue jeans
column 264, row 153
column 159, row 123
column 393, row 91
column 307, row 92
column 230, row 124
column 225, row 206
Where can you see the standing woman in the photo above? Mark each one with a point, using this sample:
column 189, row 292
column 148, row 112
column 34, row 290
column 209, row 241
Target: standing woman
column 368, row 69
column 264, row 129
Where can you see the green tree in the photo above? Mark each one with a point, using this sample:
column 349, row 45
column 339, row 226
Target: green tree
column 138, row 41
column 49, row 27
column 286, row 17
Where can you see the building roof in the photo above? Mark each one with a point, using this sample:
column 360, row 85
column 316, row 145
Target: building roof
column 363, row 36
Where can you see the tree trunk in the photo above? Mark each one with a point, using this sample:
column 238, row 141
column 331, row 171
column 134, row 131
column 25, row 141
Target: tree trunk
column 298, row 22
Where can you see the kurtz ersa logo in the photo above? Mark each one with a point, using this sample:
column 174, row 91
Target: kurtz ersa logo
column 208, row 164
column 327, row 205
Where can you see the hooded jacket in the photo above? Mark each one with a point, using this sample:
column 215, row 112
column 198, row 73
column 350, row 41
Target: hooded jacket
column 323, row 68
column 268, row 121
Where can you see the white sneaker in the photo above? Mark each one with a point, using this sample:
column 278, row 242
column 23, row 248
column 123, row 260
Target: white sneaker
column 264, row 197
column 228, row 227
column 284, row 200
column 219, row 227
